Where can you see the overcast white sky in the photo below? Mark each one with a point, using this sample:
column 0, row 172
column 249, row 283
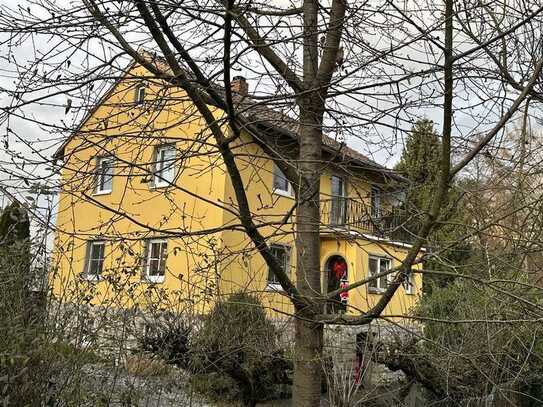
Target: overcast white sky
column 51, row 110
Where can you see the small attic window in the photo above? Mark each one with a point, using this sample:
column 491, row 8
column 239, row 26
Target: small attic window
column 139, row 96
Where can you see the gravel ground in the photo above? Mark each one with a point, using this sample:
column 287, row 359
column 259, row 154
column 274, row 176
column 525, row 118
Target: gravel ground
column 99, row 386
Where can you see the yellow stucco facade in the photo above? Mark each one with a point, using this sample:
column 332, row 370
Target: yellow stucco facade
column 208, row 255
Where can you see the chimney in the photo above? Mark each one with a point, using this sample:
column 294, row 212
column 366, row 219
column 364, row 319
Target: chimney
column 239, row 85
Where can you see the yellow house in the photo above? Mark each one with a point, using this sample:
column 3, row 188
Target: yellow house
column 147, row 209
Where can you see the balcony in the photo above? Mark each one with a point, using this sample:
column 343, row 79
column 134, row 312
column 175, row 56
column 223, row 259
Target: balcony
column 344, row 215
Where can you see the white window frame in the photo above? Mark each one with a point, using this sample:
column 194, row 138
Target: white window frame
column 409, row 284
column 100, row 175
column 378, row 288
column 271, row 283
column 139, row 95
column 163, row 256
column 289, row 192
column 89, row 259
column 159, row 181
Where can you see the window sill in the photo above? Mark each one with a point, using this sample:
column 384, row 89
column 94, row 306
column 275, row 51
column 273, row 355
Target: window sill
column 143, row 105
column 154, row 279
column 105, row 192
column 91, row 278
column 274, row 287
column 373, row 290
column 282, row 193
column 160, row 186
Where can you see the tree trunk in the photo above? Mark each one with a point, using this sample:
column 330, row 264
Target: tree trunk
column 308, row 335
column 308, row 366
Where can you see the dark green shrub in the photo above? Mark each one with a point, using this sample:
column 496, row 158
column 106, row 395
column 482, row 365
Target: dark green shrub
column 23, row 372
column 236, row 353
column 168, row 339
column 216, row 386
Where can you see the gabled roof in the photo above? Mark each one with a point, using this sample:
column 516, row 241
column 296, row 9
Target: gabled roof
column 257, row 113
column 262, row 114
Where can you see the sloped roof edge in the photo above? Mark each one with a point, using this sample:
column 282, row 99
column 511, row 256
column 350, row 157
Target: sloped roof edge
column 261, row 114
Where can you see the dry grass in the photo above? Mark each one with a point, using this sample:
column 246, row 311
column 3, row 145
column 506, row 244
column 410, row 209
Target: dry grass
column 145, row 366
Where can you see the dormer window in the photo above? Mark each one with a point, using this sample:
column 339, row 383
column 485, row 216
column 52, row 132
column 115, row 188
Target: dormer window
column 139, row 96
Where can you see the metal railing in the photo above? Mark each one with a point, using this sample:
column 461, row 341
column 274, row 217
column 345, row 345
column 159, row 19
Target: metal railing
column 346, row 214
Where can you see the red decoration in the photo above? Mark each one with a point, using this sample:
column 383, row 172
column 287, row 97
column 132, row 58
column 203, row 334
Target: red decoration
column 339, row 268
column 344, row 296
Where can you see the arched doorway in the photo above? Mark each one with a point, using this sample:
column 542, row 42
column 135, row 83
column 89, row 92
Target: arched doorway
column 337, row 271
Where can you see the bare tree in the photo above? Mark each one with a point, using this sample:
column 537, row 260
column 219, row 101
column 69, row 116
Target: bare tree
column 342, row 68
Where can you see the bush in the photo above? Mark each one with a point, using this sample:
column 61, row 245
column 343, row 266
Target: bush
column 23, row 370
column 168, row 338
column 216, row 386
column 236, row 354
column 471, row 357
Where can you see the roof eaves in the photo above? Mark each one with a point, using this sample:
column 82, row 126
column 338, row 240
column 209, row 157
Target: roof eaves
column 330, row 145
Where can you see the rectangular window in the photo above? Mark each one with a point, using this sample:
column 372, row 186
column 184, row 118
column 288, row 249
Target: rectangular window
column 409, row 284
column 139, row 97
column 104, row 175
column 155, row 262
column 338, row 208
column 164, row 173
column 379, row 265
column 280, row 182
column 375, row 202
column 282, row 253
column 94, row 263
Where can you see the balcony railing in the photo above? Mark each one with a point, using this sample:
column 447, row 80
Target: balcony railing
column 345, row 214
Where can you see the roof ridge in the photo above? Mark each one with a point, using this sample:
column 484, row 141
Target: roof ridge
column 261, row 113
column 290, row 124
